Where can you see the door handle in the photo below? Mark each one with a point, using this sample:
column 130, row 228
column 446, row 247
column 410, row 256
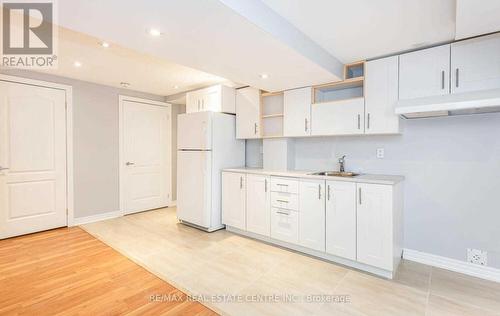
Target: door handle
column 255, row 129
column 319, row 191
column 359, row 121
column 457, row 76
column 360, row 201
column 328, row 192
column 128, row 163
column 283, row 213
column 442, row 79
column 305, row 123
column 241, row 182
column 265, row 185
column 368, row 123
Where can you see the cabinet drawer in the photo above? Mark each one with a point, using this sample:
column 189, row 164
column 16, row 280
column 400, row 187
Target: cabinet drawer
column 288, row 201
column 285, row 185
column 285, row 225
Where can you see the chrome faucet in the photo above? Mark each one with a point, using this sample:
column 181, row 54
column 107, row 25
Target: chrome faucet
column 342, row 164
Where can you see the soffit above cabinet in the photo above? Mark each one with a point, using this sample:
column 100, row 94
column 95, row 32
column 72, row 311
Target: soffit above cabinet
column 477, row 17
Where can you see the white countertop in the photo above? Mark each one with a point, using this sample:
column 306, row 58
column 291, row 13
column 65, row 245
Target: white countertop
column 363, row 178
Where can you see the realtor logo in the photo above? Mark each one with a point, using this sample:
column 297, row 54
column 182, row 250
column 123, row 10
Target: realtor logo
column 28, row 34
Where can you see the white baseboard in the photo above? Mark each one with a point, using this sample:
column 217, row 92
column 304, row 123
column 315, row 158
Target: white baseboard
column 96, row 218
column 483, row 272
column 173, row 203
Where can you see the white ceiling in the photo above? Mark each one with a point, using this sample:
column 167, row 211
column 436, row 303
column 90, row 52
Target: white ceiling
column 361, row 29
column 116, row 64
column 296, row 42
column 205, row 35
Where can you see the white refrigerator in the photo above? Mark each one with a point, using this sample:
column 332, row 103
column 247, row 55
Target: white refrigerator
column 206, row 143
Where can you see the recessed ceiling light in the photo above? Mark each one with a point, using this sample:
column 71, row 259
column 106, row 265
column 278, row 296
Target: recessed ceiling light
column 125, row 84
column 104, row 44
column 154, row 32
column 77, row 64
column 175, row 87
column 264, row 76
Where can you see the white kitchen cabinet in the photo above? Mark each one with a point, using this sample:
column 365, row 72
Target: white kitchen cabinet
column 312, row 214
column 258, row 199
column 425, row 73
column 297, row 112
column 344, row 117
column 248, row 110
column 285, row 225
column 475, row 64
column 341, row 219
column 217, row 98
column 381, row 96
column 234, row 199
column 375, row 225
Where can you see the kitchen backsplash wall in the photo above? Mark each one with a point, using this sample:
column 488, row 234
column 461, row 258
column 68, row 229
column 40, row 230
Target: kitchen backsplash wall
column 452, row 170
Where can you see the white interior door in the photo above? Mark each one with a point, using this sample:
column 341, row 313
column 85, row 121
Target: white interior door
column 145, row 162
column 194, row 191
column 32, row 159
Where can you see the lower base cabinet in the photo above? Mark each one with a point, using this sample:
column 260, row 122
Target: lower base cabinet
column 285, row 225
column 341, row 219
column 258, row 214
column 312, row 214
column 375, row 243
column 361, row 222
column 234, row 199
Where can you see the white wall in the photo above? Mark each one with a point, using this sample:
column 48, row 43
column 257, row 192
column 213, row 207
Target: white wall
column 95, row 140
column 452, row 170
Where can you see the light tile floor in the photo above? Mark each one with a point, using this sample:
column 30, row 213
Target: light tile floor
column 223, row 263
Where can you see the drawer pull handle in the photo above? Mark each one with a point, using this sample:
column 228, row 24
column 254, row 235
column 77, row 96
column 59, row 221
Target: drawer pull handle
column 282, row 201
column 282, row 185
column 283, row 213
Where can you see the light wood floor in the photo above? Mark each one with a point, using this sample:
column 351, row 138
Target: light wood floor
column 69, row 272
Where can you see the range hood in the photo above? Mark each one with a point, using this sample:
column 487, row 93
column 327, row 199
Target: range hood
column 477, row 102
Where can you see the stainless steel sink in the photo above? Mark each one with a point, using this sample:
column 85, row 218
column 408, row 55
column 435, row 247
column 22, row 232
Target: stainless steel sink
column 335, row 174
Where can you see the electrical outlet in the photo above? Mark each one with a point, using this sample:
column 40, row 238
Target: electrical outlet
column 380, row 153
column 477, row 256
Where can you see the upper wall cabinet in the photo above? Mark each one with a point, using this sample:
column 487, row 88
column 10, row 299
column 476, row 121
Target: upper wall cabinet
column 424, row 73
column 248, row 113
column 381, row 96
column 218, row 98
column 338, row 108
column 297, row 111
column 475, row 64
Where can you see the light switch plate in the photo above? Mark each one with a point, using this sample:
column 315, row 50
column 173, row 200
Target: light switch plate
column 380, row 153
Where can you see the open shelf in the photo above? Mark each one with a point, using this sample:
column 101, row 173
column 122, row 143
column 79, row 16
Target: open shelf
column 272, row 114
column 349, row 88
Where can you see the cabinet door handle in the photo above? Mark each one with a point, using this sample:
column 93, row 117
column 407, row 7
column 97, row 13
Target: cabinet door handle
column 368, row 123
column 319, row 191
column 305, row 123
column 328, row 192
column 241, row 182
column 359, row 193
column 442, row 79
column 265, row 185
column 457, row 77
column 359, row 121
column 255, row 129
